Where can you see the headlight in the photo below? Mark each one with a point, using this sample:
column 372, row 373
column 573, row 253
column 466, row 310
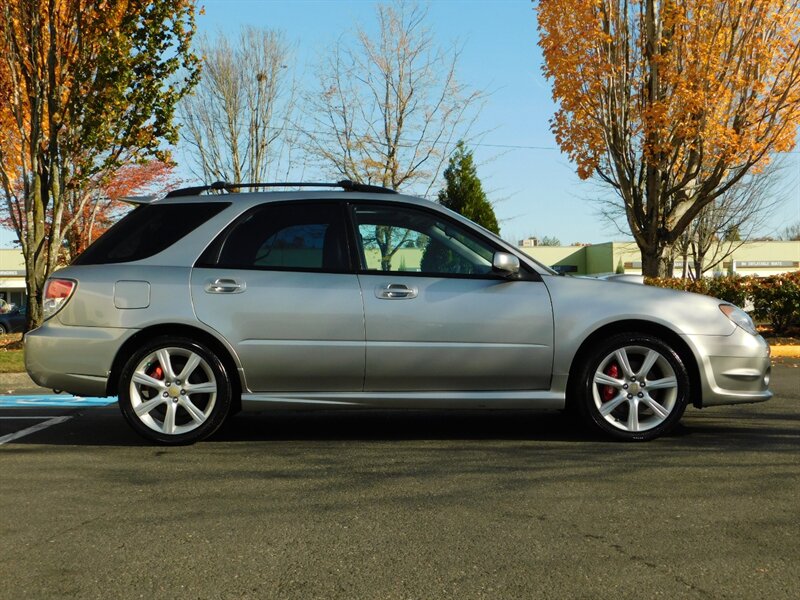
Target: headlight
column 738, row 316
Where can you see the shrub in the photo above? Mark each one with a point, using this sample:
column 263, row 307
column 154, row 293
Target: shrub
column 776, row 300
column 733, row 288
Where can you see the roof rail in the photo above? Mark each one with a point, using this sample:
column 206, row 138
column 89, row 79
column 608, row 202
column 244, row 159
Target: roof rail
column 219, row 186
column 136, row 200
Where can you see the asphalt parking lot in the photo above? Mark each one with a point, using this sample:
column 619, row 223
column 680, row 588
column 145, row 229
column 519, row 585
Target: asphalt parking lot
column 404, row 505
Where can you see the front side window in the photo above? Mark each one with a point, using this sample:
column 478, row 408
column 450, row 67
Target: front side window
column 402, row 239
column 282, row 236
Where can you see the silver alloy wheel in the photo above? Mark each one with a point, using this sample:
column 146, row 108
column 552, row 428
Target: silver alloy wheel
column 173, row 390
column 635, row 388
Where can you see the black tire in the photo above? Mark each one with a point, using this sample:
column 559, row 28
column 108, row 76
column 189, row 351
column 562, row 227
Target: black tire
column 637, row 401
column 3, row 329
column 164, row 409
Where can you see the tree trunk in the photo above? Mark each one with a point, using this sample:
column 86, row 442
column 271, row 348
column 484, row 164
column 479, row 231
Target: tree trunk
column 652, row 263
column 698, row 266
column 34, row 284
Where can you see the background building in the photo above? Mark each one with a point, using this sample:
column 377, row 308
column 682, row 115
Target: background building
column 12, row 277
column 751, row 258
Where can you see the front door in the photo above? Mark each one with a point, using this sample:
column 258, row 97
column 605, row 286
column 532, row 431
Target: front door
column 438, row 318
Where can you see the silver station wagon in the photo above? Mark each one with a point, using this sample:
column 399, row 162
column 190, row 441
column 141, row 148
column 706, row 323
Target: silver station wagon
column 198, row 305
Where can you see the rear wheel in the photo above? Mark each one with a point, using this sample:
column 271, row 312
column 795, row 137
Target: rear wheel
column 174, row 391
column 633, row 387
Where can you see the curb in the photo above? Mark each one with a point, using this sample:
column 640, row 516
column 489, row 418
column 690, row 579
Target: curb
column 785, row 351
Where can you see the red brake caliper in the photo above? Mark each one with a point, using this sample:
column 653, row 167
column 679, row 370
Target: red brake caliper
column 156, row 372
column 609, row 392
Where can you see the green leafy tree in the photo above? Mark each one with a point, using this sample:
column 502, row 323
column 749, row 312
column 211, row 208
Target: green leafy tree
column 85, row 87
column 464, row 193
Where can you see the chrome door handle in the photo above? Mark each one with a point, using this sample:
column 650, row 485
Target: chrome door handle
column 225, row 286
column 395, row 291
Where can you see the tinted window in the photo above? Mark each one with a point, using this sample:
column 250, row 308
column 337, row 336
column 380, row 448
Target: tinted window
column 404, row 239
column 282, row 236
column 146, row 231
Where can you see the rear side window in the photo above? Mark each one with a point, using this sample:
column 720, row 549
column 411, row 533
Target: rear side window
column 298, row 237
column 146, row 231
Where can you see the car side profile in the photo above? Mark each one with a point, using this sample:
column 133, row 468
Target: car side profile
column 198, row 305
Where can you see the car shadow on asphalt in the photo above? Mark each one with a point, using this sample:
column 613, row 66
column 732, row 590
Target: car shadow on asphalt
column 723, row 431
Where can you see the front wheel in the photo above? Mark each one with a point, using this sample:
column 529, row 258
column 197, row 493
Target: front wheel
column 174, row 391
column 633, row 387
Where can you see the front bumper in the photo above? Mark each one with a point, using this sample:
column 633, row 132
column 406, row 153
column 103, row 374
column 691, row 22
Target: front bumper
column 73, row 359
column 734, row 369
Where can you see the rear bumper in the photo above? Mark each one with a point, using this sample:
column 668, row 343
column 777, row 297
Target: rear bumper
column 73, row 359
column 734, row 369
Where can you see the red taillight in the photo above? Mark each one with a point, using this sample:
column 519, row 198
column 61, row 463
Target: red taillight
column 56, row 294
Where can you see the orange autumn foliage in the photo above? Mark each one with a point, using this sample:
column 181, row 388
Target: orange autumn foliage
column 86, row 87
column 671, row 102
column 87, row 221
column 727, row 82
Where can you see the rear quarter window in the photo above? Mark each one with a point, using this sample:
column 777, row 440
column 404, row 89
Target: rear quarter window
column 148, row 230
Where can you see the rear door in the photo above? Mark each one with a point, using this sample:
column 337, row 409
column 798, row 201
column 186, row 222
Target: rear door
column 278, row 285
column 437, row 316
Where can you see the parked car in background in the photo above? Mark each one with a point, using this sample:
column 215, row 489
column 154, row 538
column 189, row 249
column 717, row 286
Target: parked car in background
column 195, row 306
column 12, row 320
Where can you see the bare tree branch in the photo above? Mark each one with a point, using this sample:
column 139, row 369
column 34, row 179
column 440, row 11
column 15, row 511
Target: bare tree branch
column 388, row 109
column 238, row 121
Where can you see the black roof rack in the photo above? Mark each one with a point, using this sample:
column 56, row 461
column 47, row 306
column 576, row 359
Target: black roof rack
column 220, row 186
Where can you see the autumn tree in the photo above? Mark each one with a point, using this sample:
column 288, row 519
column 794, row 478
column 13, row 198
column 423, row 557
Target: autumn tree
column 239, row 123
column 87, row 219
column 671, row 102
column 389, row 108
column 86, row 86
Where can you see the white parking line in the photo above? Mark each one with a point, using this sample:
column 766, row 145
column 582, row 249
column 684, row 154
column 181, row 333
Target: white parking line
column 33, row 429
column 34, row 417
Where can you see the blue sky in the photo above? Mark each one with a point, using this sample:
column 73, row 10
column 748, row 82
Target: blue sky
column 533, row 185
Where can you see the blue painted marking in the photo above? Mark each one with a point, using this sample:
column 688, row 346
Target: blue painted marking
column 59, row 401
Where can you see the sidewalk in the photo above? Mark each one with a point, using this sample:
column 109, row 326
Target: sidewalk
column 20, row 383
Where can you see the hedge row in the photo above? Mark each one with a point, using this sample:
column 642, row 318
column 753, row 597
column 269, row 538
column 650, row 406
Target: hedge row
column 775, row 299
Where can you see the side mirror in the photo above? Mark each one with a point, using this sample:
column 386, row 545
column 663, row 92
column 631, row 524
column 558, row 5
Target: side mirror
column 506, row 264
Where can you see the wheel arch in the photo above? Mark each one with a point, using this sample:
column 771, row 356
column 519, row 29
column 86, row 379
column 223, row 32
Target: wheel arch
column 639, row 326
column 204, row 337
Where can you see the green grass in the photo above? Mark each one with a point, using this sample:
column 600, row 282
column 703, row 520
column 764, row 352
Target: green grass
column 12, row 361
